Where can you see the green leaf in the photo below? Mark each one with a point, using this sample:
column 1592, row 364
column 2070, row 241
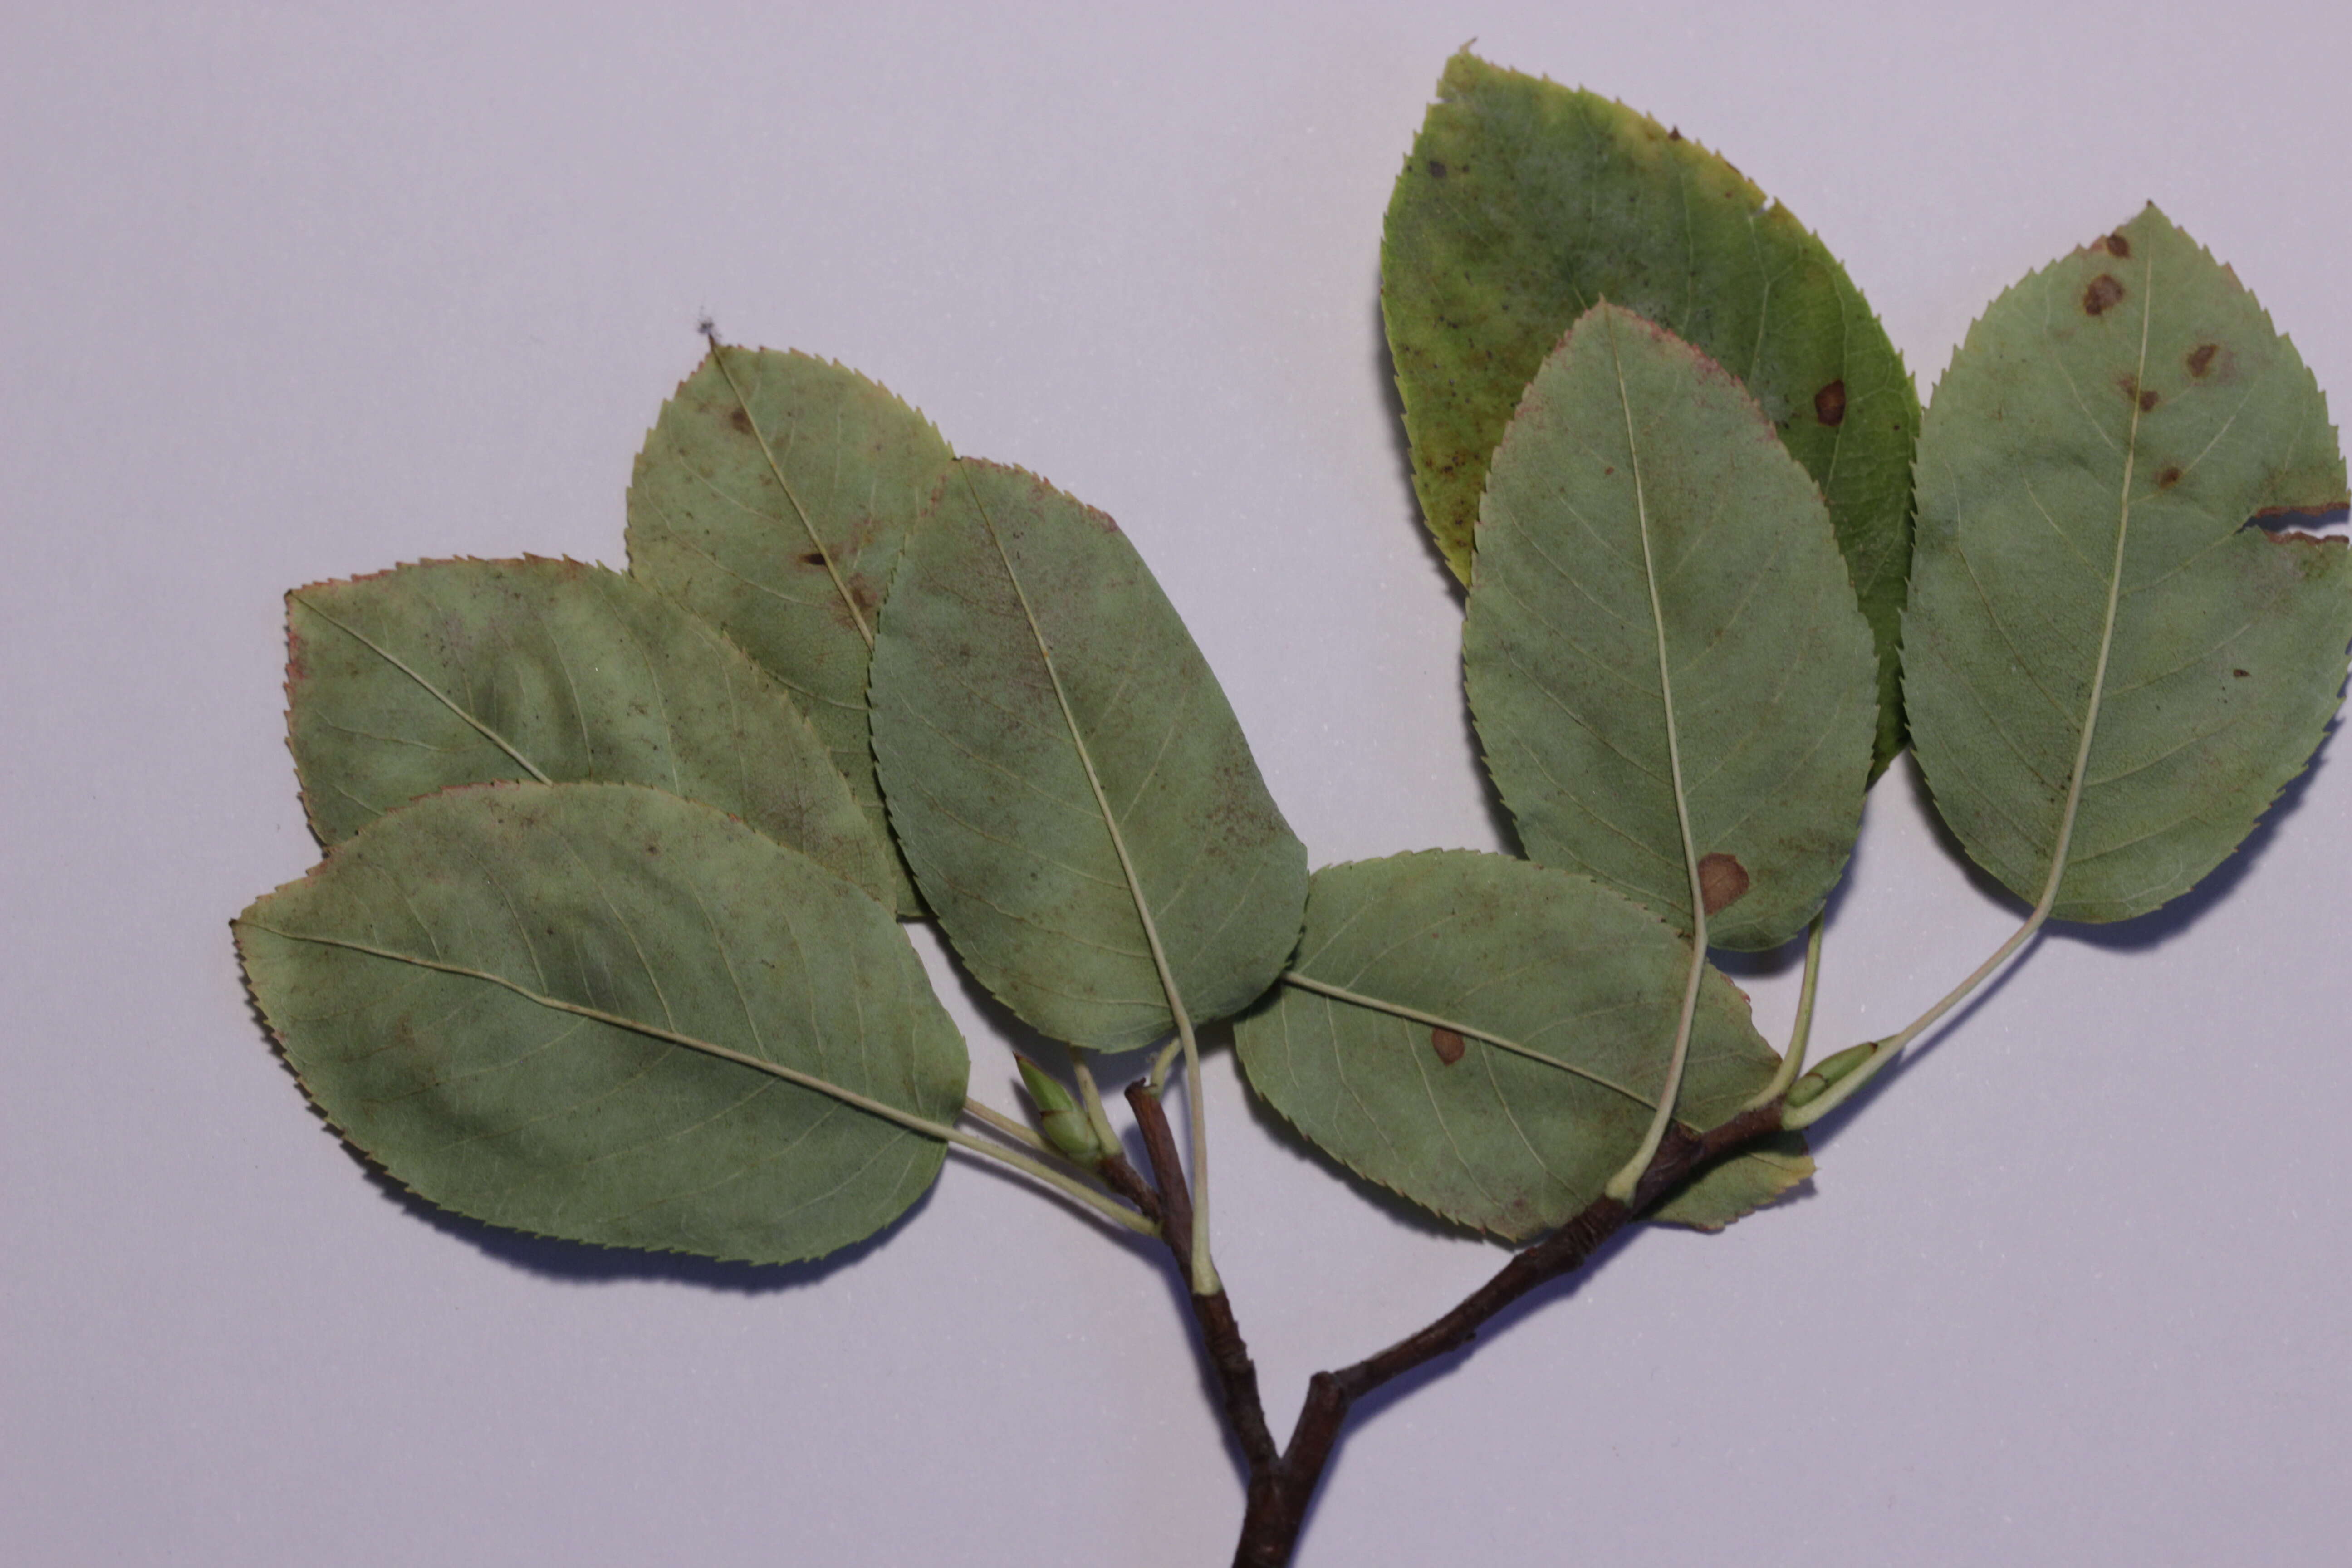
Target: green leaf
column 1524, row 204
column 453, row 672
column 1738, row 1186
column 1499, row 949
column 1638, row 490
column 773, row 499
column 510, row 996
column 1059, row 759
column 2094, row 628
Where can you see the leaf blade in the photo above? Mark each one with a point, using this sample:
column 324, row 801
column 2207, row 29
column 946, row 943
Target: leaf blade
column 517, row 999
column 1669, row 676
column 2091, row 590
column 453, row 672
column 1523, row 203
column 1477, row 1132
column 1058, row 759
column 773, row 498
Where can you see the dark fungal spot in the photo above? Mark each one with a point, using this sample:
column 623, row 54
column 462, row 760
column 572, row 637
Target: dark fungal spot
column 1829, row 404
column 1448, row 1045
column 2146, row 401
column 1675, row 134
column 1722, row 881
column 2101, row 295
column 1436, row 170
column 740, row 420
column 2117, row 244
column 2200, row 358
column 813, row 558
column 2169, row 478
column 2238, row 673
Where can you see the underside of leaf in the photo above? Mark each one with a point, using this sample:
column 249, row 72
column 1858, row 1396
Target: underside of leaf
column 521, row 1000
column 1641, row 508
column 1557, row 1001
column 1059, row 760
column 1524, row 204
column 2087, row 572
column 773, row 499
column 453, row 672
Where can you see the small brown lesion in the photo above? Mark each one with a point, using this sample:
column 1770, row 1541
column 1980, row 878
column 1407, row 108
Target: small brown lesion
column 2169, row 478
column 2200, row 358
column 2114, row 245
column 2103, row 295
column 2148, row 400
column 1829, row 404
column 1722, row 881
column 741, row 419
column 1448, row 1044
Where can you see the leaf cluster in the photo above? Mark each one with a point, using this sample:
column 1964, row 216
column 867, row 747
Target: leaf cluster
column 606, row 944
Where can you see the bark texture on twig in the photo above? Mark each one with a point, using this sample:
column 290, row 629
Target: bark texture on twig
column 1220, row 1336
column 1281, row 1491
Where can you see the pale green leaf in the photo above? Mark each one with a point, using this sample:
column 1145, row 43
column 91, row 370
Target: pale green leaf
column 773, row 498
column 1732, row 1188
column 1525, row 202
column 2085, row 568
column 1058, row 759
column 1501, row 951
column 1639, row 488
column 453, row 672
column 510, row 996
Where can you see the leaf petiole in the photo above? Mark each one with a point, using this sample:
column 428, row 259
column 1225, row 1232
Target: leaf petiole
column 1090, row 1098
column 1846, row 1088
column 990, row 1116
column 1792, row 1061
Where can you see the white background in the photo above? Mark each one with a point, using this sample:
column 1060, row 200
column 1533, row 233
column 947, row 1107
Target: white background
column 288, row 293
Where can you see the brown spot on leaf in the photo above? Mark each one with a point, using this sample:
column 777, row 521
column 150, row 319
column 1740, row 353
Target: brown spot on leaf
column 2169, row 478
column 1675, row 134
column 1722, row 881
column 1436, row 170
column 2101, row 295
column 1829, row 403
column 1448, row 1045
column 2117, row 244
column 2146, row 401
column 813, row 558
column 2238, row 673
column 740, row 420
column 2200, row 358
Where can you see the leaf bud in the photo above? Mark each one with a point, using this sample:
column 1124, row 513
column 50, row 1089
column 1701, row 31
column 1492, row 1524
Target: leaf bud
column 1065, row 1125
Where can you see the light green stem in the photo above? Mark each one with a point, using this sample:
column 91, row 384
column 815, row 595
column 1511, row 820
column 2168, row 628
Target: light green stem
column 1793, row 1061
column 1090, row 1097
column 1846, row 1088
column 1006, row 1125
column 1204, row 1271
column 1621, row 1185
column 1162, row 1062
